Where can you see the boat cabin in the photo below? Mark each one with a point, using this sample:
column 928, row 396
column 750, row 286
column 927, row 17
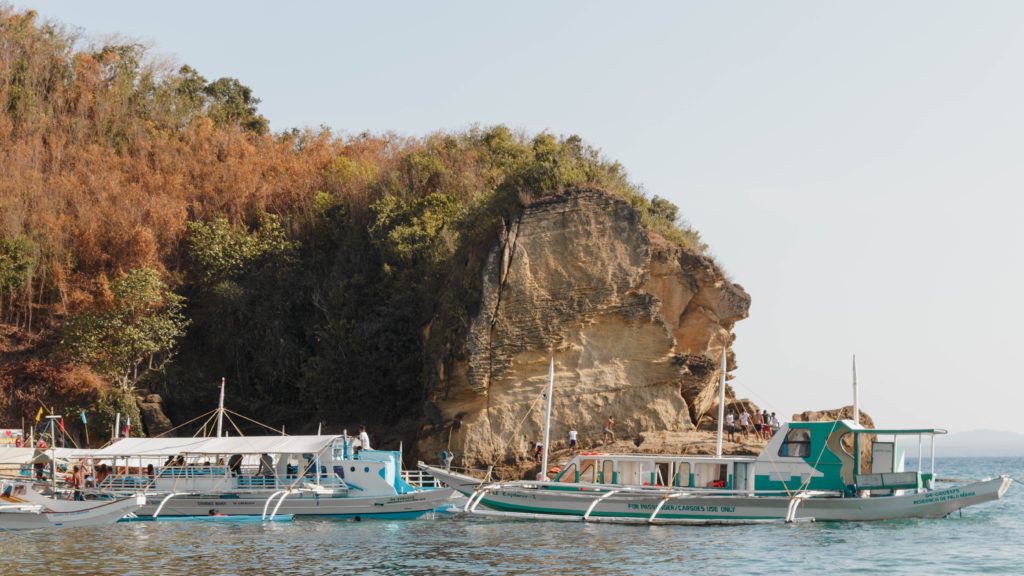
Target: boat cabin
column 840, row 456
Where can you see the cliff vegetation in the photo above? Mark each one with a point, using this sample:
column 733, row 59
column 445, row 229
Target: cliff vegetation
column 156, row 235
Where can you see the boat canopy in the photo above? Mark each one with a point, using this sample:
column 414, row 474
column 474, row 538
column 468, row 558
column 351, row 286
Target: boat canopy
column 216, row 446
column 28, row 455
column 899, row 431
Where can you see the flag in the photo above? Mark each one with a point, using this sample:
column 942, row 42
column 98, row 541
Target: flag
column 39, row 414
column 61, row 421
column 83, row 417
column 127, row 428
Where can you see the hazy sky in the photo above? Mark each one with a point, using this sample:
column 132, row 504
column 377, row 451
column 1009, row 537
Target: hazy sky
column 856, row 166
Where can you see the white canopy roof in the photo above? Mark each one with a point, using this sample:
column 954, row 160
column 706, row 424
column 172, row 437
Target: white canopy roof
column 215, row 446
column 26, row 455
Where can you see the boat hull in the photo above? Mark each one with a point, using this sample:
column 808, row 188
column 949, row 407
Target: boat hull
column 700, row 507
column 98, row 514
column 300, row 504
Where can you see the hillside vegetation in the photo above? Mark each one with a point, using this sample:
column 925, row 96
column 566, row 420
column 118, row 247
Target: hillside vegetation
column 156, row 235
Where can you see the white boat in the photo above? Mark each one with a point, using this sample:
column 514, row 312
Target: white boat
column 26, row 510
column 807, row 471
column 262, row 476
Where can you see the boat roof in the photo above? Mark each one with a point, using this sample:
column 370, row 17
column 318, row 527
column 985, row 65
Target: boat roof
column 900, row 431
column 25, row 455
column 650, row 456
column 215, row 446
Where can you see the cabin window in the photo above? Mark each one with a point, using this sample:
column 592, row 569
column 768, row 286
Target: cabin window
column 682, row 474
column 587, row 475
column 569, row 474
column 797, row 443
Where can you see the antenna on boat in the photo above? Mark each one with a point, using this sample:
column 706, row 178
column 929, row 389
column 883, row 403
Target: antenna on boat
column 721, row 405
column 856, row 396
column 547, row 420
column 220, row 410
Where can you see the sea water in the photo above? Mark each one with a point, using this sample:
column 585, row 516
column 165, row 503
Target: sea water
column 985, row 539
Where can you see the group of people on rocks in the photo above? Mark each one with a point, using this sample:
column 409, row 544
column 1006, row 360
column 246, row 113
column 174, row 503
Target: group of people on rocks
column 762, row 424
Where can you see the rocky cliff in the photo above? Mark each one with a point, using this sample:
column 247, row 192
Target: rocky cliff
column 636, row 326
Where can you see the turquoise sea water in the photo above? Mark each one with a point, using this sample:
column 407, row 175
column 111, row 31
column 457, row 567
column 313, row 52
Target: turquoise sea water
column 987, row 539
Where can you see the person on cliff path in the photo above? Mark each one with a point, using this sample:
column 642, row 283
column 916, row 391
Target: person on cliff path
column 572, row 440
column 758, row 423
column 745, row 423
column 775, row 424
column 608, row 431
column 730, row 425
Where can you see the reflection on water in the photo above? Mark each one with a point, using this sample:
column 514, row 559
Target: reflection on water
column 986, row 540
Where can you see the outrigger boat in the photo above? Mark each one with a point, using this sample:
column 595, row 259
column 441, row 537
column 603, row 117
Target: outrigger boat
column 263, row 476
column 23, row 509
column 807, row 471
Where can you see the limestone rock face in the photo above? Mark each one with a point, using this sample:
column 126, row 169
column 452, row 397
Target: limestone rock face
column 636, row 326
column 846, row 412
column 154, row 421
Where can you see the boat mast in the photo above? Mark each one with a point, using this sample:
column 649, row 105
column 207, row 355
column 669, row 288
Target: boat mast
column 220, row 409
column 856, row 397
column 721, row 405
column 547, row 420
column 53, row 455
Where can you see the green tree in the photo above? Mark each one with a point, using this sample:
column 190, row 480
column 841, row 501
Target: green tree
column 135, row 333
column 231, row 102
column 17, row 262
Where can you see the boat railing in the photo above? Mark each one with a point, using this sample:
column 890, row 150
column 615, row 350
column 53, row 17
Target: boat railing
column 419, row 479
column 586, row 489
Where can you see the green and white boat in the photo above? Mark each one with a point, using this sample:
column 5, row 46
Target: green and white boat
column 804, row 473
column 808, row 471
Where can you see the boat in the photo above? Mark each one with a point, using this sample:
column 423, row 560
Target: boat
column 808, row 471
column 21, row 508
column 263, row 476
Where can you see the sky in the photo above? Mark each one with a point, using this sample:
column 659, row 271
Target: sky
column 856, row 166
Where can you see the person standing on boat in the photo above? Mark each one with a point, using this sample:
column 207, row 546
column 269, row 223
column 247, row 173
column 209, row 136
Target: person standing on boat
column 364, row 439
column 730, row 425
column 77, row 483
column 775, row 424
column 572, row 440
column 608, row 431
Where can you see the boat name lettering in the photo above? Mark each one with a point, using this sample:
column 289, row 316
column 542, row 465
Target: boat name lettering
column 944, row 495
column 684, row 508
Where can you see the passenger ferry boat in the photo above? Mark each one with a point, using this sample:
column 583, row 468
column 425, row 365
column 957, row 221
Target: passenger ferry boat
column 804, row 473
column 262, row 476
column 807, row 471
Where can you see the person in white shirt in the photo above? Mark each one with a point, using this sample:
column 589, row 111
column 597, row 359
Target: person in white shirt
column 730, row 426
column 745, row 423
column 364, row 439
column 572, row 440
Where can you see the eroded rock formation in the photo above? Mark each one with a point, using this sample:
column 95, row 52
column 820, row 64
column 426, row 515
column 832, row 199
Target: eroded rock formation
column 636, row 326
